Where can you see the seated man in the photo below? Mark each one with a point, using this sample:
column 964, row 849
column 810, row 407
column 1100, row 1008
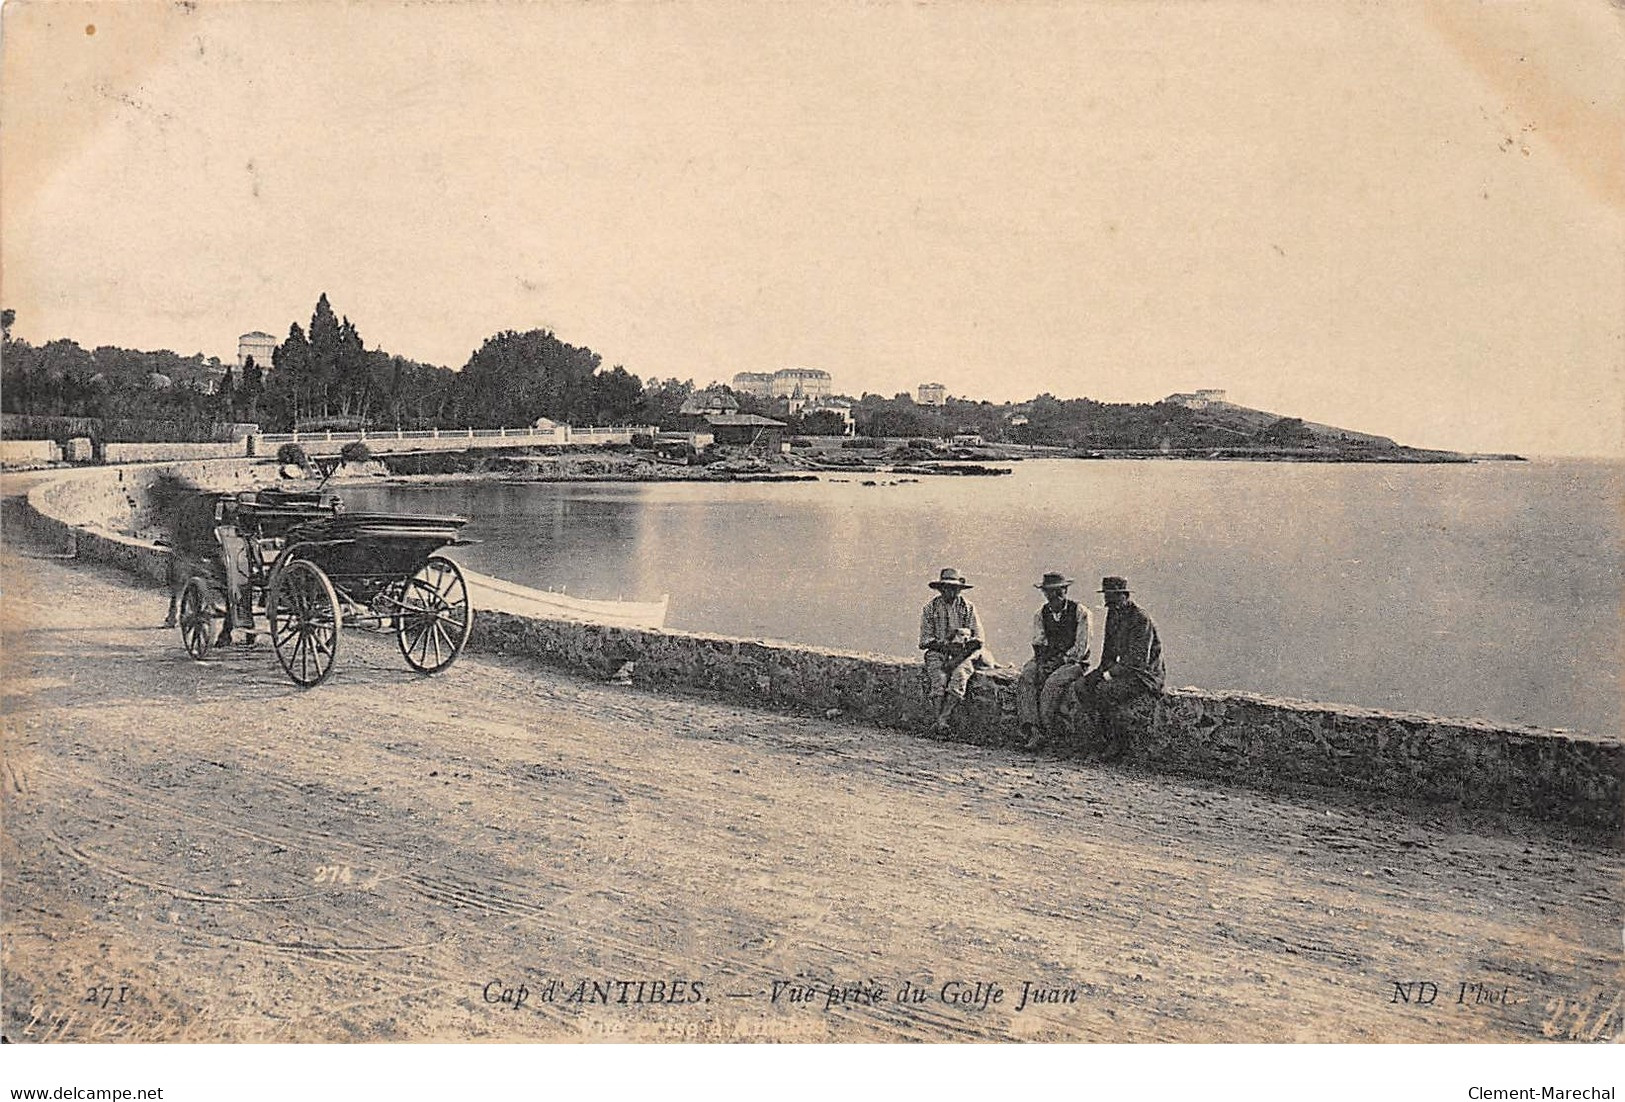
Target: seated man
column 1060, row 655
column 951, row 637
column 1130, row 667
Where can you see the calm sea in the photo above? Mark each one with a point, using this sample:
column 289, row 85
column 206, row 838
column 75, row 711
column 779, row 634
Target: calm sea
column 1491, row 590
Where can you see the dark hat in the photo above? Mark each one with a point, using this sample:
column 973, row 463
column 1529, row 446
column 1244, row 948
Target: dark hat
column 1053, row 580
column 1113, row 585
column 949, row 577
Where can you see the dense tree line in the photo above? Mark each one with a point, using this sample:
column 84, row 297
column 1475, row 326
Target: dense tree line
column 117, row 385
column 323, row 375
column 518, row 378
column 326, row 376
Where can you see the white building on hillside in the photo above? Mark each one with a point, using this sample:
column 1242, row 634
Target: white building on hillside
column 808, row 383
column 801, row 382
column 758, row 384
column 933, row 394
column 1200, row 400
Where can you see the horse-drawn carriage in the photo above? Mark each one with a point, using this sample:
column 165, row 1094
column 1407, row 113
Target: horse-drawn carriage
column 312, row 568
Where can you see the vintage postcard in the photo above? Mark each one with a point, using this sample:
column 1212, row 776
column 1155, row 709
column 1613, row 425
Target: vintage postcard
column 879, row 522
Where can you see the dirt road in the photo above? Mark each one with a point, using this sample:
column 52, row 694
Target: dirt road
column 203, row 852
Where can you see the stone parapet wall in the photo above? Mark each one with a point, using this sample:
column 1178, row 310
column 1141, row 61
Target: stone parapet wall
column 88, row 513
column 875, row 688
column 117, row 499
column 1258, row 741
column 1231, row 738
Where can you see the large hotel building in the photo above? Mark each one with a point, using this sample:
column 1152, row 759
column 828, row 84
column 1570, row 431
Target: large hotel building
column 787, row 382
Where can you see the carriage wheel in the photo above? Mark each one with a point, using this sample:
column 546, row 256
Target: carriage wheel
column 435, row 618
column 198, row 614
column 305, row 620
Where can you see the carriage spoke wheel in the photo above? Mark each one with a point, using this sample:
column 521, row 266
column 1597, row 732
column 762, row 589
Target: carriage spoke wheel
column 197, row 619
column 434, row 618
column 305, row 620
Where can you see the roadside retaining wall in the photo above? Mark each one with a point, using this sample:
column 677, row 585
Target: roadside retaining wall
column 88, row 513
column 1228, row 737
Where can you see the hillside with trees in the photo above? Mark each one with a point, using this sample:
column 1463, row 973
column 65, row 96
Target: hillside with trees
column 1085, row 426
column 129, row 394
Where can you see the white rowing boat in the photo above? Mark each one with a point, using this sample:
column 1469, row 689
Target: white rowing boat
column 497, row 595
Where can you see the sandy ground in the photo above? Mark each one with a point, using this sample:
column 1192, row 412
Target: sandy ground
column 203, row 852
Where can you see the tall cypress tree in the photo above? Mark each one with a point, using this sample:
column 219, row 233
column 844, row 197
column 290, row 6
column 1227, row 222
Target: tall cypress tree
column 253, row 389
column 325, row 344
column 290, row 384
column 351, row 381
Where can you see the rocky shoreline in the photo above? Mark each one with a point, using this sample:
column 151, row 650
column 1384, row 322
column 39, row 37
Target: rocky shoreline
column 598, row 466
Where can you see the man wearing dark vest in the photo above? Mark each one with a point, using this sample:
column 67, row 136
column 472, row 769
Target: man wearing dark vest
column 1060, row 641
column 1130, row 666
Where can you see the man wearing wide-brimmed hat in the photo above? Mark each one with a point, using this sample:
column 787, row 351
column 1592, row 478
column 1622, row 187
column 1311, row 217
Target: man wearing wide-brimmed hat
column 1130, row 665
column 1060, row 640
column 951, row 637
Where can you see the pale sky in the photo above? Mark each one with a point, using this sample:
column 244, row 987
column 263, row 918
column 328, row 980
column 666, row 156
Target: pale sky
column 1405, row 218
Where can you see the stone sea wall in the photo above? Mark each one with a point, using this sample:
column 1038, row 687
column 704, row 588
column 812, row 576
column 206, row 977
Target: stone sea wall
column 89, row 513
column 1233, row 738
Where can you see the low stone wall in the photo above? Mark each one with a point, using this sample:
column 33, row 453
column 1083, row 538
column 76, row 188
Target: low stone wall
column 87, row 513
column 1228, row 737
column 29, row 453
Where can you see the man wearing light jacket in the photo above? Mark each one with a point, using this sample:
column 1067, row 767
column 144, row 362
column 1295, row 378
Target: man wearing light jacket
column 951, row 637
